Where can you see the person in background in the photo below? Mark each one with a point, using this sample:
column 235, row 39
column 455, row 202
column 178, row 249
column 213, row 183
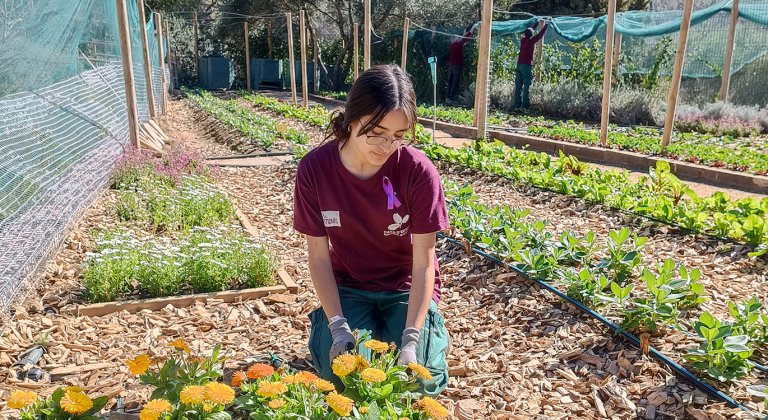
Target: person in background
column 456, row 63
column 524, row 70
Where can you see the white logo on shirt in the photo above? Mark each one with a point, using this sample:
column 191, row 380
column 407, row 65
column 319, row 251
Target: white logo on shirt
column 399, row 222
column 331, row 218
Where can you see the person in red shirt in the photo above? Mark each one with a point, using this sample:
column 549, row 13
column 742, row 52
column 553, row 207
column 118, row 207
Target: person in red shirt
column 370, row 206
column 524, row 70
column 456, row 63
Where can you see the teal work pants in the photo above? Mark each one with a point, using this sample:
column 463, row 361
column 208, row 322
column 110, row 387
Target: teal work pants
column 383, row 315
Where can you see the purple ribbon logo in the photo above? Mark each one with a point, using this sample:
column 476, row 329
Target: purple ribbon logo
column 392, row 201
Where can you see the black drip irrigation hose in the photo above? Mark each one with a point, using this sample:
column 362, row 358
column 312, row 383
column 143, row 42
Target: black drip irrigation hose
column 680, row 370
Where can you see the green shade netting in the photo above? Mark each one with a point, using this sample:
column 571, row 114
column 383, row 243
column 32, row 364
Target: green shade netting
column 641, row 32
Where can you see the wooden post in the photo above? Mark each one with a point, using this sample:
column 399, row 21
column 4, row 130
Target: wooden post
column 316, row 57
column 725, row 87
column 476, row 103
column 130, row 87
column 197, row 46
column 303, row 38
column 147, row 62
column 269, row 38
column 537, row 60
column 356, row 53
column 483, row 66
column 171, row 67
column 677, row 74
column 616, row 55
column 291, row 64
column 404, row 54
column 607, row 69
column 367, row 36
column 247, row 57
column 161, row 57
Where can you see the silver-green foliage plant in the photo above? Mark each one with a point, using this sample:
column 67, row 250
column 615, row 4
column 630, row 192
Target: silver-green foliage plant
column 205, row 260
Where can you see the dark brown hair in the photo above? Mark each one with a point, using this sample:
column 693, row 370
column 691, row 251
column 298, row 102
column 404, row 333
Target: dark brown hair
column 377, row 91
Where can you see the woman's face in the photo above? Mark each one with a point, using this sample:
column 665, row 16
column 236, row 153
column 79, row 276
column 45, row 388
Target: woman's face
column 376, row 146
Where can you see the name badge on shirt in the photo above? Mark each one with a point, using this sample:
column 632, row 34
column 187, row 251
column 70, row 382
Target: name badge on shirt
column 331, row 218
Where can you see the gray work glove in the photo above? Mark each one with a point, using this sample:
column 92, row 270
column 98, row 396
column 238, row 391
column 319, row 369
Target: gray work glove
column 409, row 343
column 343, row 340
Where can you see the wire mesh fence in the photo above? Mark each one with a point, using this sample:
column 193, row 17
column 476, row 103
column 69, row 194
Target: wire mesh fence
column 63, row 123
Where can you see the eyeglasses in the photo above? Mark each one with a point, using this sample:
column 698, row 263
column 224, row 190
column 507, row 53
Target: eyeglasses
column 379, row 140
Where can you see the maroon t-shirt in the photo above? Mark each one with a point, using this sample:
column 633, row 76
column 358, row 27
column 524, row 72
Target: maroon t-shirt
column 370, row 222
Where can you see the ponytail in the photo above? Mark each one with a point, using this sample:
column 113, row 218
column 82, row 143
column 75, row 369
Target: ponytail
column 339, row 127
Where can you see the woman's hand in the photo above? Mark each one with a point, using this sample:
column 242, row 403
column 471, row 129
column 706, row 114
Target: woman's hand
column 343, row 340
column 409, row 343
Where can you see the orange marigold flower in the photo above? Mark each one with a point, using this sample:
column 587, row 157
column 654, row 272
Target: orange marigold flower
column 323, row 385
column 20, row 400
column 180, row 345
column 344, row 364
column 193, row 394
column 139, row 364
column 271, row 389
column 420, row 370
column 432, row 408
column 154, row 409
column 373, row 375
column 75, row 402
column 377, row 346
column 306, row 378
column 219, row 393
column 238, row 378
column 260, row 370
column 289, row 379
column 339, row 403
column 276, row 404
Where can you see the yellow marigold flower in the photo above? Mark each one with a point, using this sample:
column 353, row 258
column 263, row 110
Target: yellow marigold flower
column 271, row 389
column 73, row 389
column 276, row 404
column 260, row 370
column 139, row 364
column 219, row 393
column 180, row 345
column 373, row 375
column 323, row 385
column 363, row 410
column 339, row 403
column 75, row 402
column 20, row 400
column 154, row 409
column 377, row 346
column 432, row 408
column 306, row 378
column 420, row 370
column 193, row 394
column 289, row 379
column 362, row 364
column 344, row 365
column 207, row 407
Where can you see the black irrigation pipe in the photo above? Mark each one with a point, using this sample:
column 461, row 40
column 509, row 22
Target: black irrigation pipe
column 252, row 155
column 680, row 370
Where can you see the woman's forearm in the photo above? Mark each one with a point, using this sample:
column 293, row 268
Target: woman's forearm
column 422, row 286
column 325, row 287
